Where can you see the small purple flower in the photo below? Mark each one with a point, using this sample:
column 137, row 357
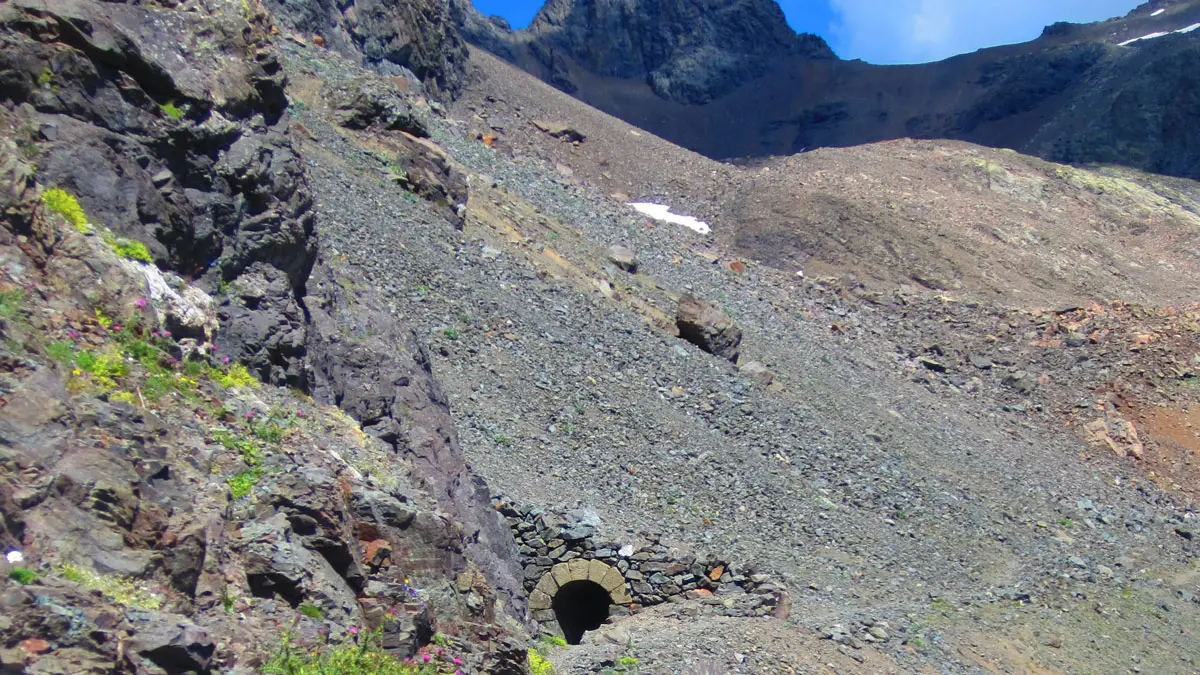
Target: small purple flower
column 426, row 658
column 225, row 360
column 139, row 303
column 300, row 412
column 353, row 630
column 74, row 335
column 457, row 661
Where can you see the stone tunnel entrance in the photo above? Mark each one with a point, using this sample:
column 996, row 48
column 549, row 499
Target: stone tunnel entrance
column 580, row 606
column 576, row 596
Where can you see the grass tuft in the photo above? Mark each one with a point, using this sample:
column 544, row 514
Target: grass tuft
column 22, row 576
column 12, row 303
column 171, row 111
column 311, row 611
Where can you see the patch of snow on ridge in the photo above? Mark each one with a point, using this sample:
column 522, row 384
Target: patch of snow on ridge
column 1158, row 12
column 1144, row 37
column 1151, row 36
column 663, row 213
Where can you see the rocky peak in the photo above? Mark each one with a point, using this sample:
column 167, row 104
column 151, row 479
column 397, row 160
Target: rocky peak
column 689, row 51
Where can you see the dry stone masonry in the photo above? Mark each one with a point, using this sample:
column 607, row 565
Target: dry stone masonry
column 556, row 550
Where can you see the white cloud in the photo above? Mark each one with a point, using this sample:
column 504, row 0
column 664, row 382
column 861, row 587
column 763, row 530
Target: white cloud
column 915, row 31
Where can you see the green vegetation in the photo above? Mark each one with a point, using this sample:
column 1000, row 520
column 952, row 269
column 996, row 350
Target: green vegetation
column 63, row 204
column 451, row 333
column 500, row 439
column 250, row 452
column 60, row 202
column 365, row 656
column 114, row 587
column 45, row 77
column 268, row 432
column 242, row 484
column 22, row 576
column 539, row 665
column 311, row 611
column 103, row 368
column 11, row 304
column 627, row 663
column 61, row 352
column 237, row 377
column 171, row 111
column 128, row 248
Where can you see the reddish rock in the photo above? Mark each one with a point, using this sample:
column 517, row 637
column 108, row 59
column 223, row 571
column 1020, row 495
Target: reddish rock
column 35, row 646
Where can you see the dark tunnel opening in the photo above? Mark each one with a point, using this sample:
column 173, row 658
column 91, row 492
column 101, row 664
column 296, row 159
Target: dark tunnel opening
column 580, row 606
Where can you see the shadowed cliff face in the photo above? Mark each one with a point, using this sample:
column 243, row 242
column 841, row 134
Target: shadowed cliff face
column 686, row 51
column 732, row 80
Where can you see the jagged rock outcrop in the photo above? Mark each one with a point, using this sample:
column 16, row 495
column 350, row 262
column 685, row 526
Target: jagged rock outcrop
column 751, row 87
column 156, row 477
column 392, row 35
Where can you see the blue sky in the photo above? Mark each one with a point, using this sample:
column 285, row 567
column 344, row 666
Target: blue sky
column 904, row 31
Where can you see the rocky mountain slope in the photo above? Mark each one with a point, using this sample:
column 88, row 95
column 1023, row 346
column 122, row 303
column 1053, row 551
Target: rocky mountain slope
column 736, row 82
column 304, row 363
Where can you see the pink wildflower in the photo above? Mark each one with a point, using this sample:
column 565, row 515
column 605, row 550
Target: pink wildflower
column 457, row 661
column 426, row 658
column 139, row 303
column 353, row 630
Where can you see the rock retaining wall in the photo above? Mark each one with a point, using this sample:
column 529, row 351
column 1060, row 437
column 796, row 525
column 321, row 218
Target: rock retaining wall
column 550, row 544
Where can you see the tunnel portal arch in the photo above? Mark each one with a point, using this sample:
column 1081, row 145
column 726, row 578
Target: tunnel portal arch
column 577, row 595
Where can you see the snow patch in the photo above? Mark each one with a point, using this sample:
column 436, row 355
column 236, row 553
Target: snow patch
column 663, row 213
column 1158, row 12
column 1144, row 37
column 1151, row 36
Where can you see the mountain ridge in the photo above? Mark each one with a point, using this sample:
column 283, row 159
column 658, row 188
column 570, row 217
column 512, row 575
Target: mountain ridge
column 782, row 99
